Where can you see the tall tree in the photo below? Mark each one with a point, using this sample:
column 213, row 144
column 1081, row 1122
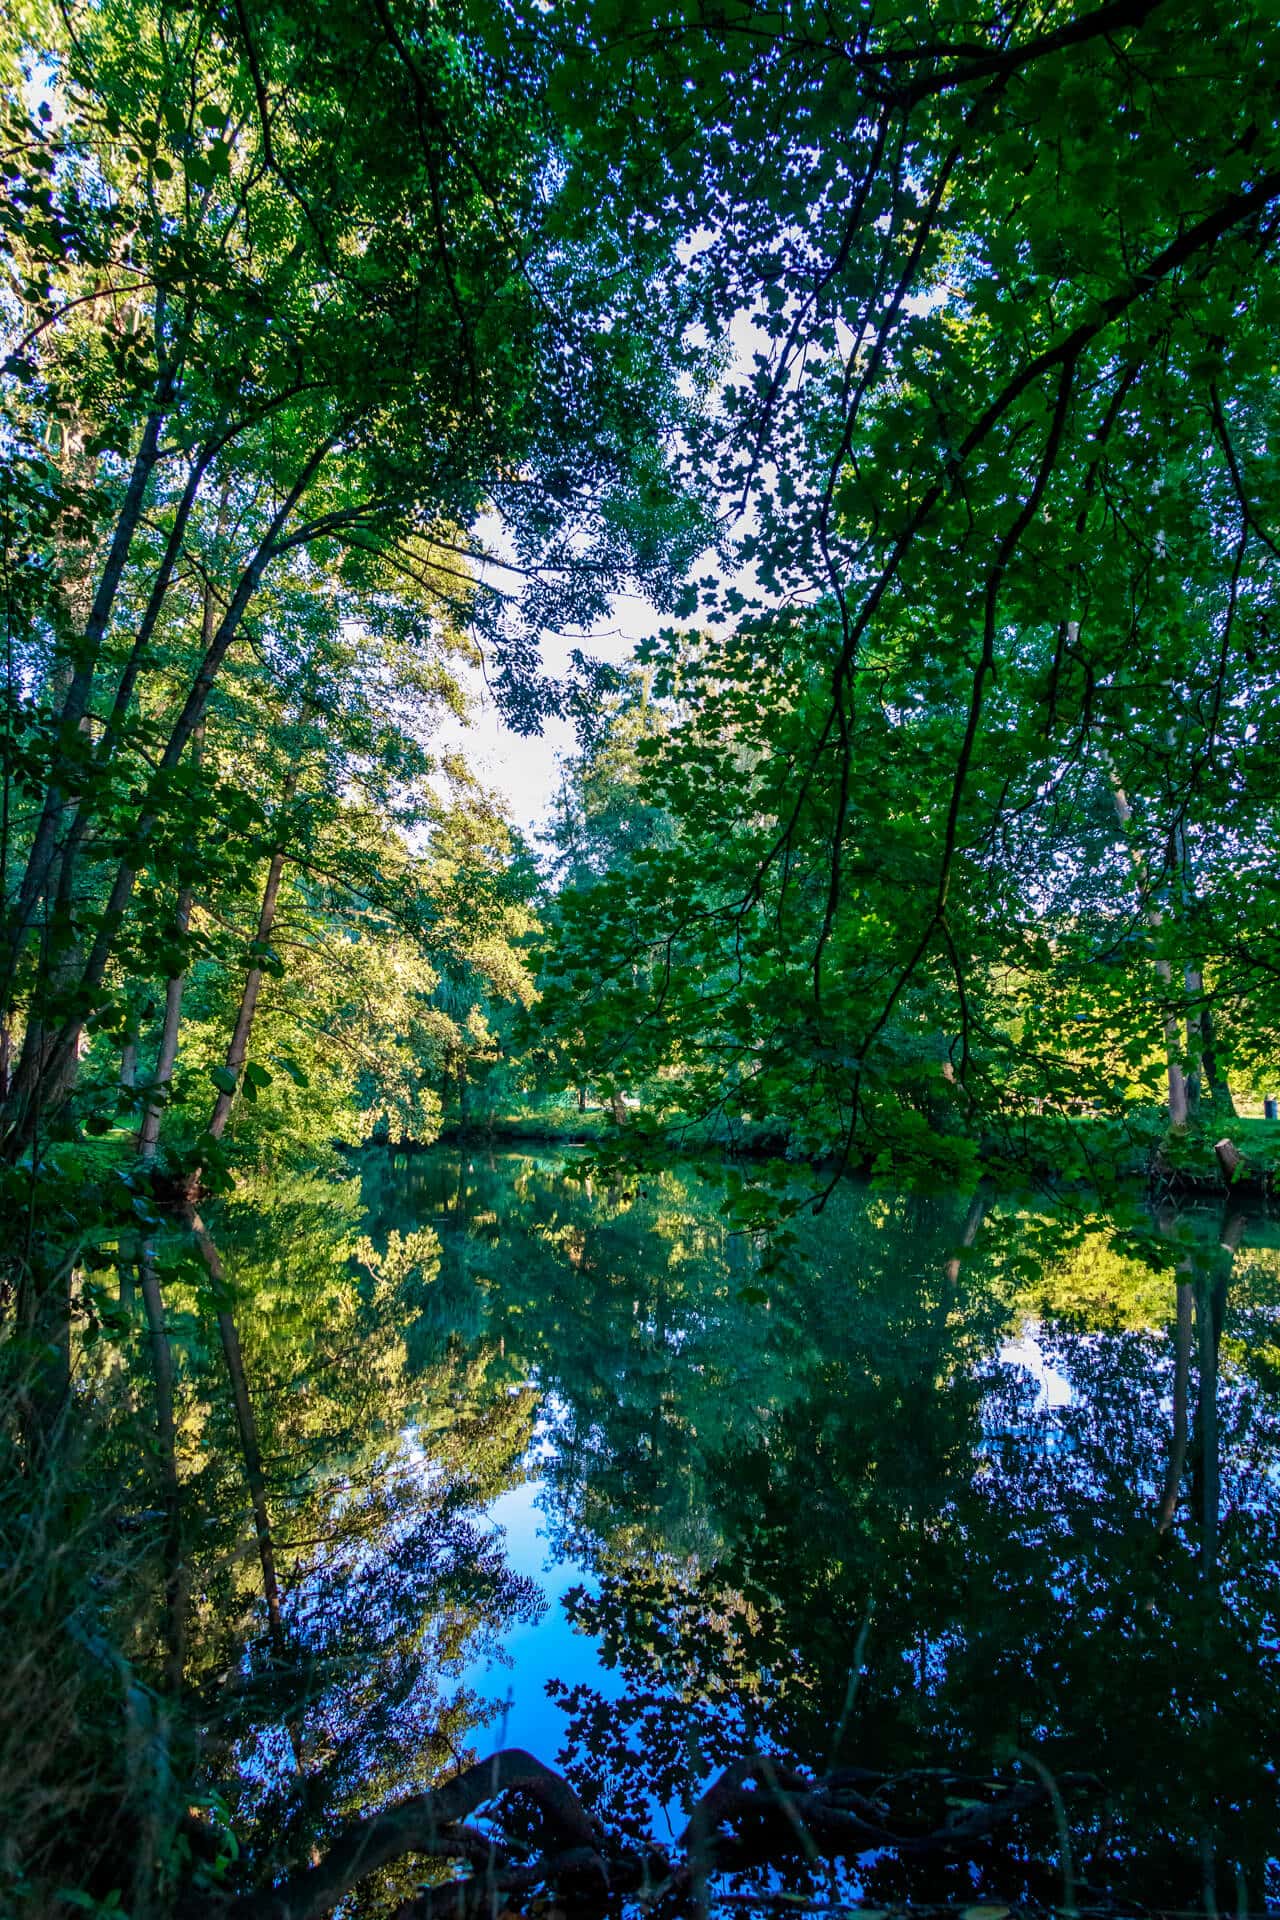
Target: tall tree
column 999, row 433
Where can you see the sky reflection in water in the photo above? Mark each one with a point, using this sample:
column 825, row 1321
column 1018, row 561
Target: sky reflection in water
column 904, row 1505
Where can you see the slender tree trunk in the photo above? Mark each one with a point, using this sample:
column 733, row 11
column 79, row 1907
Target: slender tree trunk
column 973, row 1220
column 79, row 820
column 167, row 1052
column 149, row 1131
column 79, row 687
column 1219, row 1088
column 246, row 1426
column 1211, row 1310
column 1207, row 1347
column 1194, row 987
column 1177, row 1466
column 60, row 955
column 255, row 1478
column 931, row 1350
column 1177, row 1081
column 174, row 986
column 247, row 1430
column 238, row 1046
column 175, row 1572
column 1199, row 1015
column 1208, row 1873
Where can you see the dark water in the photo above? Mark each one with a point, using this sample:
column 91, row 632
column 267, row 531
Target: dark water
column 960, row 1492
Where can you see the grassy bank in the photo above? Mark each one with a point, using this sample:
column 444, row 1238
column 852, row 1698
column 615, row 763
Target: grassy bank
column 1137, row 1149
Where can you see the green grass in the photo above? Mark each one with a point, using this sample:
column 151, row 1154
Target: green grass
column 94, row 1156
column 545, row 1123
column 1118, row 1149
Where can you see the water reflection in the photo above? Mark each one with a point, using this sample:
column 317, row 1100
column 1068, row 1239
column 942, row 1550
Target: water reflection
column 946, row 1548
column 924, row 1505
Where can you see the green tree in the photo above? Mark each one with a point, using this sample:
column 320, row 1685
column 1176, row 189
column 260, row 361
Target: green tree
column 959, row 787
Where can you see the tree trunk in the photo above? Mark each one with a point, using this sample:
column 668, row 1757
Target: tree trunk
column 1177, row 1081
column 171, row 1023
column 247, row 1429
column 105, row 747
column 238, row 1047
column 1199, row 1017
column 1219, row 1089
column 1211, row 1313
column 167, row 1052
column 175, row 1573
column 1195, row 1040
column 1168, row 1506
column 1208, row 1330
column 79, row 687
column 972, row 1222
column 58, row 963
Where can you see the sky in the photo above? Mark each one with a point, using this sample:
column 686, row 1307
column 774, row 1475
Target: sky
column 525, row 770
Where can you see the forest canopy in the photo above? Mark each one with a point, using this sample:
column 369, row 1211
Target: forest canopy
column 967, row 758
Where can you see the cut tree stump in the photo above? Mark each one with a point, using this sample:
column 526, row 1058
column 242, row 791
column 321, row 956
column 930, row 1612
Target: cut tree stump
column 1227, row 1154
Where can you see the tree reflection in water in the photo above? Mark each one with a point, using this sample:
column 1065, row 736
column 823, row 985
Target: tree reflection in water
column 936, row 1564
column 833, row 1525
column 341, row 1573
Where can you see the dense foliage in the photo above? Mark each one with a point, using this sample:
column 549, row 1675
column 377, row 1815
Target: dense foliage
column 971, row 766
column 295, row 304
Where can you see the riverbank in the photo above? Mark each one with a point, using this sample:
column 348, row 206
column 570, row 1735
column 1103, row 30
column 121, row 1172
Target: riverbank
column 1136, row 1150
column 1134, row 1153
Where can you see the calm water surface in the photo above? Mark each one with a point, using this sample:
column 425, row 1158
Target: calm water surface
column 962, row 1486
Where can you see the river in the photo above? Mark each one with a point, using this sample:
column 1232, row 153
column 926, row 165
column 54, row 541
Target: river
column 940, row 1493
